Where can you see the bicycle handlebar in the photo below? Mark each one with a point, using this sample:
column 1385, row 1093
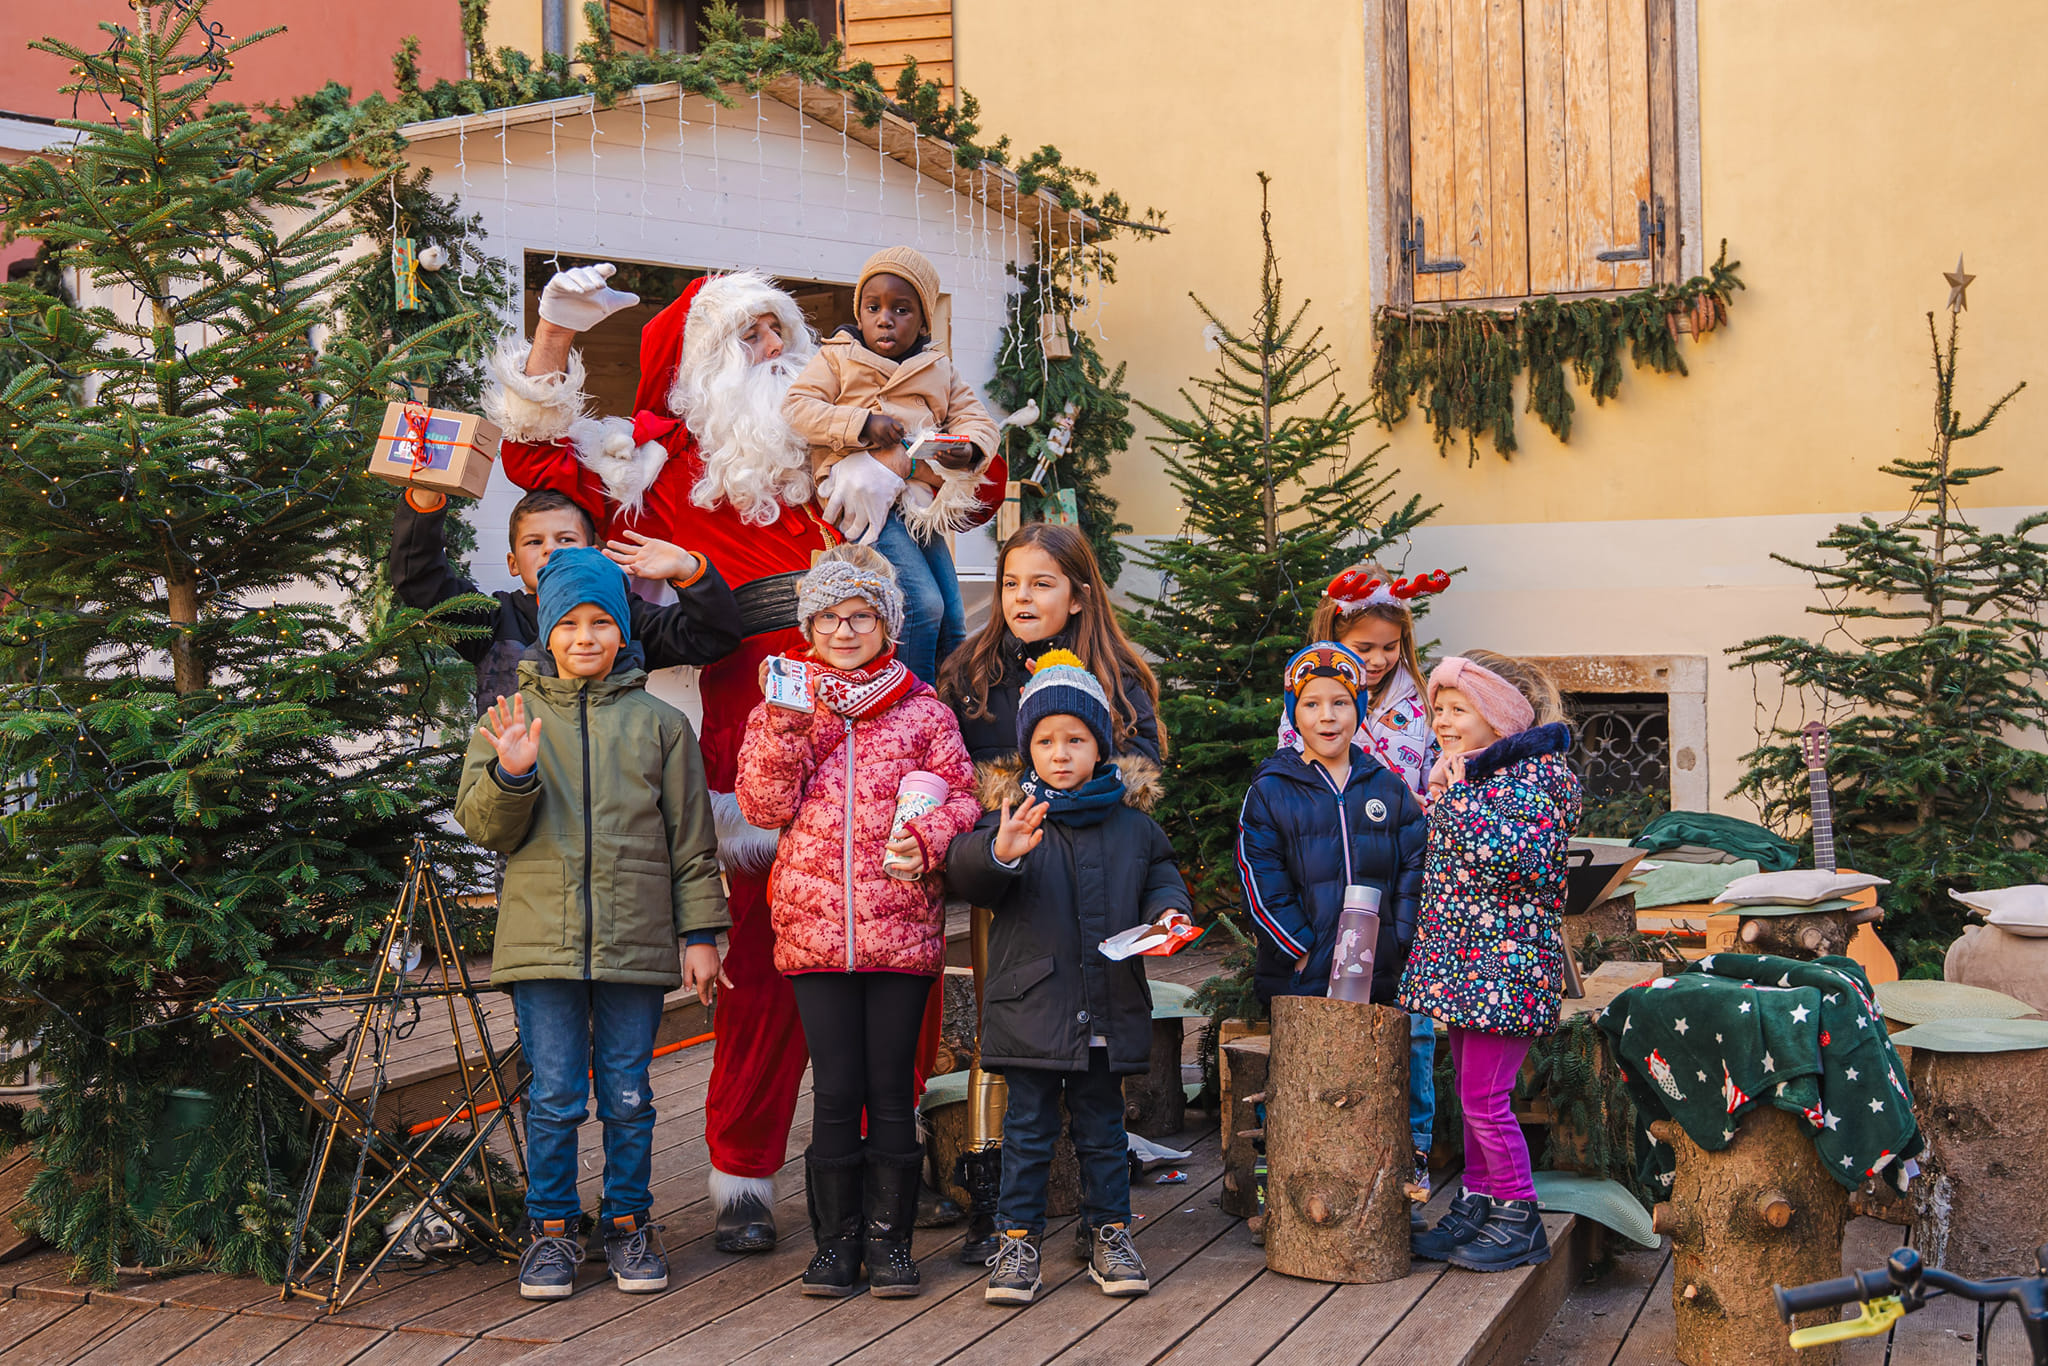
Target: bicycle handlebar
column 1864, row 1285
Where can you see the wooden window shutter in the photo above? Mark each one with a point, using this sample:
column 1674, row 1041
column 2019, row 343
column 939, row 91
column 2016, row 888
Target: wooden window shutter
column 1529, row 138
column 887, row 32
column 633, row 24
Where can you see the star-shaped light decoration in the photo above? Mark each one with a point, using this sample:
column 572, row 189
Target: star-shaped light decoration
column 1958, row 286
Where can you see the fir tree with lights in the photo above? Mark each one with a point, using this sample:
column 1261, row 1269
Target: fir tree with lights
column 214, row 769
column 1277, row 502
column 1929, row 678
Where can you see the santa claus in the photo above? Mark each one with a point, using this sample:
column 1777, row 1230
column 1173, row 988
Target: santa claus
column 706, row 461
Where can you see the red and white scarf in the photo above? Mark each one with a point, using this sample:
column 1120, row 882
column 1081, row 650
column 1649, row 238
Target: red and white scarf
column 869, row 690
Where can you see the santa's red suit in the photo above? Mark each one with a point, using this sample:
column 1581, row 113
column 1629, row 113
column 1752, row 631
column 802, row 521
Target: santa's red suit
column 642, row 476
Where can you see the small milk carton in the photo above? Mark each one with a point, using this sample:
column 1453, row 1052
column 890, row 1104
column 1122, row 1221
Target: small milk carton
column 437, row 448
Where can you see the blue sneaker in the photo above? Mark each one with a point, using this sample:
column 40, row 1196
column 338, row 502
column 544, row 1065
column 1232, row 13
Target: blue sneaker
column 547, row 1269
column 633, row 1254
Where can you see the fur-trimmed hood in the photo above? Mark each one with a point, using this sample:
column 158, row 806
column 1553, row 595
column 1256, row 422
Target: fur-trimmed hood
column 997, row 781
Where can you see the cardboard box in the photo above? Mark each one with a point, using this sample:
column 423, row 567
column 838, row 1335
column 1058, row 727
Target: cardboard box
column 436, row 448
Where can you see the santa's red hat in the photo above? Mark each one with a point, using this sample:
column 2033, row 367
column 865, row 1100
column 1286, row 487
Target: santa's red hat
column 713, row 310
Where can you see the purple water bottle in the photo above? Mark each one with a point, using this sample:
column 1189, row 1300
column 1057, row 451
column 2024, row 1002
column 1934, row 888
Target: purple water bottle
column 1358, row 938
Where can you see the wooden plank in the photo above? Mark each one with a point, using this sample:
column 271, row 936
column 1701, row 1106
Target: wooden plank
column 900, row 51
column 1653, row 1341
column 153, row 1338
column 1245, row 1327
column 909, row 29
column 21, row 1318
column 1589, row 159
column 1508, row 188
column 1595, row 1319
column 629, row 24
column 867, row 11
column 1146, row 1327
column 1661, row 35
column 941, row 72
column 1468, row 1318
column 1467, row 231
column 1628, row 93
column 239, row 1338
column 489, row 1351
column 412, row 1349
column 1399, row 287
column 1351, row 1324
column 1432, row 148
column 1549, row 230
column 85, row 1327
column 327, row 1344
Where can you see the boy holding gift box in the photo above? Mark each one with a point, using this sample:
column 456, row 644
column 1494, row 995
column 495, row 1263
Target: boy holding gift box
column 702, row 626
column 1061, row 1017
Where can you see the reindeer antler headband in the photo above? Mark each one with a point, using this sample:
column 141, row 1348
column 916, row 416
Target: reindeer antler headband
column 1354, row 590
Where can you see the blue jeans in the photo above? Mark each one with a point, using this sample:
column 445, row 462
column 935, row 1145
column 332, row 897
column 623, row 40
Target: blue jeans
column 1095, row 1109
column 934, row 619
column 571, row 1030
column 1421, row 1080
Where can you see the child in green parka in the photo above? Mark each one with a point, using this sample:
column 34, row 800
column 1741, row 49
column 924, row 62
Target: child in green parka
column 599, row 804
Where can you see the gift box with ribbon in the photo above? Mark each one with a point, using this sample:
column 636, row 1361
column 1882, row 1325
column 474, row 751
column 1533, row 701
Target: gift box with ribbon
column 436, row 447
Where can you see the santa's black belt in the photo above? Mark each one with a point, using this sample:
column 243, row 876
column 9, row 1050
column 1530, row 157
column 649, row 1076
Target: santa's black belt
column 768, row 604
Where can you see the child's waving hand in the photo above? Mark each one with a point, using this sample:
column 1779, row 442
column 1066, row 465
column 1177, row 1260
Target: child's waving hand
column 517, row 742
column 1020, row 831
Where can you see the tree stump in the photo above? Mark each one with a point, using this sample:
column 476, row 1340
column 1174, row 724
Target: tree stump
column 1796, row 936
column 1762, row 1211
column 960, row 1023
column 1242, row 1068
column 1156, row 1104
column 947, row 1139
column 1977, row 1209
column 1337, row 1141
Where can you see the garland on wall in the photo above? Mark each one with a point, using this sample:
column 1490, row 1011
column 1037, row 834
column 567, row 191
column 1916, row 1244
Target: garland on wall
column 1460, row 364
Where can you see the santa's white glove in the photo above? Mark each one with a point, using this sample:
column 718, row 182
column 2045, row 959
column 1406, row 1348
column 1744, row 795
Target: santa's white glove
column 580, row 299
column 916, row 498
column 863, row 491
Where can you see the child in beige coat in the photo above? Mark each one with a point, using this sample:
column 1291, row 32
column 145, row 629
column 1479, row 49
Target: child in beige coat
column 861, row 403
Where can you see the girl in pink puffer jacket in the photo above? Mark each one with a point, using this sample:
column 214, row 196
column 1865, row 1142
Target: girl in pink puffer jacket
column 860, row 947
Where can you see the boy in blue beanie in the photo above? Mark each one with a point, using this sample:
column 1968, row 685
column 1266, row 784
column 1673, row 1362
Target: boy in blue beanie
column 599, row 804
column 1066, row 856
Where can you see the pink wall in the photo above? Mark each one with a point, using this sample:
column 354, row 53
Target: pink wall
column 324, row 40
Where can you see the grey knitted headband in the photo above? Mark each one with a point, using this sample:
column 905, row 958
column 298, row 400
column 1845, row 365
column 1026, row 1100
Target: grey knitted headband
column 831, row 582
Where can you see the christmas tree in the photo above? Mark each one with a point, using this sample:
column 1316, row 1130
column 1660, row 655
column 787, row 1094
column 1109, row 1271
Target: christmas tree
column 1929, row 678
column 1276, row 504
column 216, row 770
column 1101, row 423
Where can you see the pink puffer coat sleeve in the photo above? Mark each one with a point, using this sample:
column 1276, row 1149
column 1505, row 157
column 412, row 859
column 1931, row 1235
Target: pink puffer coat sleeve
column 778, row 755
column 946, row 756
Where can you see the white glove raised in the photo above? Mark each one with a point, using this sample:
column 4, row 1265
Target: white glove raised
column 579, row 299
column 863, row 490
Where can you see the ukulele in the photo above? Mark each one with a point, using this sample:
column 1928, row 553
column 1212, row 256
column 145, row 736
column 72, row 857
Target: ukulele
column 1814, row 743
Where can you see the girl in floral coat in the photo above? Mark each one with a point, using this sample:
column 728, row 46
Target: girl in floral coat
column 860, row 945
column 1488, row 958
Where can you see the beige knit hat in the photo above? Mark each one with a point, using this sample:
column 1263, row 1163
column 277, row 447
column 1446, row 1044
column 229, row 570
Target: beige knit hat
column 910, row 264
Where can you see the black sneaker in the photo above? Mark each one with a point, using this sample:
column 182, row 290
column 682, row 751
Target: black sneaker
column 1459, row 1225
column 547, row 1269
column 1115, row 1265
column 1013, row 1272
column 633, row 1254
column 1512, row 1236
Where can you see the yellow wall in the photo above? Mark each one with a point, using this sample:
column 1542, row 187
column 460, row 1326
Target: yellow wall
column 517, row 23
column 1848, row 151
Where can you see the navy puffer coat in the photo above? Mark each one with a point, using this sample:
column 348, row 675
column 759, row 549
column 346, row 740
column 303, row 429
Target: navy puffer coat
column 1299, row 844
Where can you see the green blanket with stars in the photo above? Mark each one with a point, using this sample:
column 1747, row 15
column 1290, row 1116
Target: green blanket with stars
column 1734, row 1031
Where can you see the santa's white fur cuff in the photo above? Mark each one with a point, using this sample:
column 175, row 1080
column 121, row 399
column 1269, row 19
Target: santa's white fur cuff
column 533, row 408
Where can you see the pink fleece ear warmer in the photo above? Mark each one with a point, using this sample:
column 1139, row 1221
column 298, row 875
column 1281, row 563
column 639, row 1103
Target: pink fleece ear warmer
column 1499, row 702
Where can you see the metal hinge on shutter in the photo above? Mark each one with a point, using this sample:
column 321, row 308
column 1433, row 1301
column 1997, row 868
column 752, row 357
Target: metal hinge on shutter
column 1647, row 232
column 1412, row 248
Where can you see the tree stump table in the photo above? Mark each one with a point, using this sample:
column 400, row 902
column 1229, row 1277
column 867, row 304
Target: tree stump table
column 1242, row 1065
column 1761, row 1211
column 1337, row 1141
column 1977, row 1204
column 1155, row 1102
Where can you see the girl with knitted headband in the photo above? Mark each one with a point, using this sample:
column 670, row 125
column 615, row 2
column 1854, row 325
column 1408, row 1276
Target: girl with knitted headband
column 1366, row 609
column 1489, row 952
column 861, row 947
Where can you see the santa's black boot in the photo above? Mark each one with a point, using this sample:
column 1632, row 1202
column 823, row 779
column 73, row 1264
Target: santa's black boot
column 746, row 1212
column 980, row 1174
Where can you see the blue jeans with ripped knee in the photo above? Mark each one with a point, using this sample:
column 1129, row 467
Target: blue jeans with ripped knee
column 576, row 1036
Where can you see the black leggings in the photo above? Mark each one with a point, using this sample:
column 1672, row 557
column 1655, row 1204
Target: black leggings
column 862, row 1030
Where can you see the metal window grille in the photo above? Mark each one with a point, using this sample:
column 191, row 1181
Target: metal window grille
column 1624, row 742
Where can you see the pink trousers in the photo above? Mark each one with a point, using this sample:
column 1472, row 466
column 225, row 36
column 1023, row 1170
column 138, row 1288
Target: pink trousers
column 1496, row 1154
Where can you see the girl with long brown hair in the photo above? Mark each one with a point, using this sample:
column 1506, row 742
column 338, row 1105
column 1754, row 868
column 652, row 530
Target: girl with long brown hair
column 1050, row 596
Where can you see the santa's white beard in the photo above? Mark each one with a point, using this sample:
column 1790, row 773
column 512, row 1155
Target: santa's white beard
column 752, row 459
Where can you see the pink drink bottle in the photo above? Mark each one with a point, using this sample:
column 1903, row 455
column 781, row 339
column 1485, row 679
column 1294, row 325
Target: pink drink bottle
column 1358, row 938
column 918, row 793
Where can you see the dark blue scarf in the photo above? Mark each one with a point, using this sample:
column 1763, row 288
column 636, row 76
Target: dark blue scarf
column 1088, row 804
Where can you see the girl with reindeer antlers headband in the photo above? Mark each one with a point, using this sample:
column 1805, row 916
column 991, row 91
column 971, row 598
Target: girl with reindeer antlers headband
column 1367, row 610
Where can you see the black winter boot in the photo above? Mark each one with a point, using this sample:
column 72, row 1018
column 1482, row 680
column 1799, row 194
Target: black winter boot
column 981, row 1174
column 1459, row 1225
column 1512, row 1236
column 746, row 1217
column 889, row 1214
column 832, row 1189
